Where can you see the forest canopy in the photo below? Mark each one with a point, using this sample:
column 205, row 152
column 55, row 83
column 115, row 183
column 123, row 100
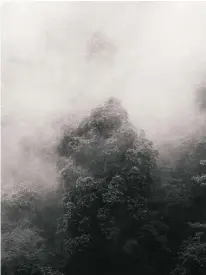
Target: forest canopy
column 115, row 209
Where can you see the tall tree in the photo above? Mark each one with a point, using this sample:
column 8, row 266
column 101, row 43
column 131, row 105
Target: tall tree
column 106, row 181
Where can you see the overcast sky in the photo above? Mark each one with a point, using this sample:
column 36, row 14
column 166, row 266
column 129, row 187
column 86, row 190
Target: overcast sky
column 61, row 57
column 150, row 54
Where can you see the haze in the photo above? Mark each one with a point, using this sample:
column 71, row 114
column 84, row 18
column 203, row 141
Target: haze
column 67, row 57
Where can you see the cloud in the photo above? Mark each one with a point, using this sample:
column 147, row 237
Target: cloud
column 150, row 55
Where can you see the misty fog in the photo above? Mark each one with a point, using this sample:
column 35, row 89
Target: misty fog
column 65, row 58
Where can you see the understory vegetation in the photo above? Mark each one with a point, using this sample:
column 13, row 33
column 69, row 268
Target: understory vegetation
column 118, row 208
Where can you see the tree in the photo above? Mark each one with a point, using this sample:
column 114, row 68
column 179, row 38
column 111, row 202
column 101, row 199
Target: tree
column 27, row 230
column 192, row 257
column 106, row 181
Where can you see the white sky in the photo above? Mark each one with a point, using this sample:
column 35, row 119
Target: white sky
column 158, row 58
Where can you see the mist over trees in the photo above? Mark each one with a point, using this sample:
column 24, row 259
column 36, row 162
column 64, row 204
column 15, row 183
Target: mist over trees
column 116, row 208
column 201, row 98
column 119, row 187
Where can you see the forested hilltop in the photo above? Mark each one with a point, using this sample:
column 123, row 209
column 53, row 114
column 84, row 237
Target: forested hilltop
column 118, row 208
